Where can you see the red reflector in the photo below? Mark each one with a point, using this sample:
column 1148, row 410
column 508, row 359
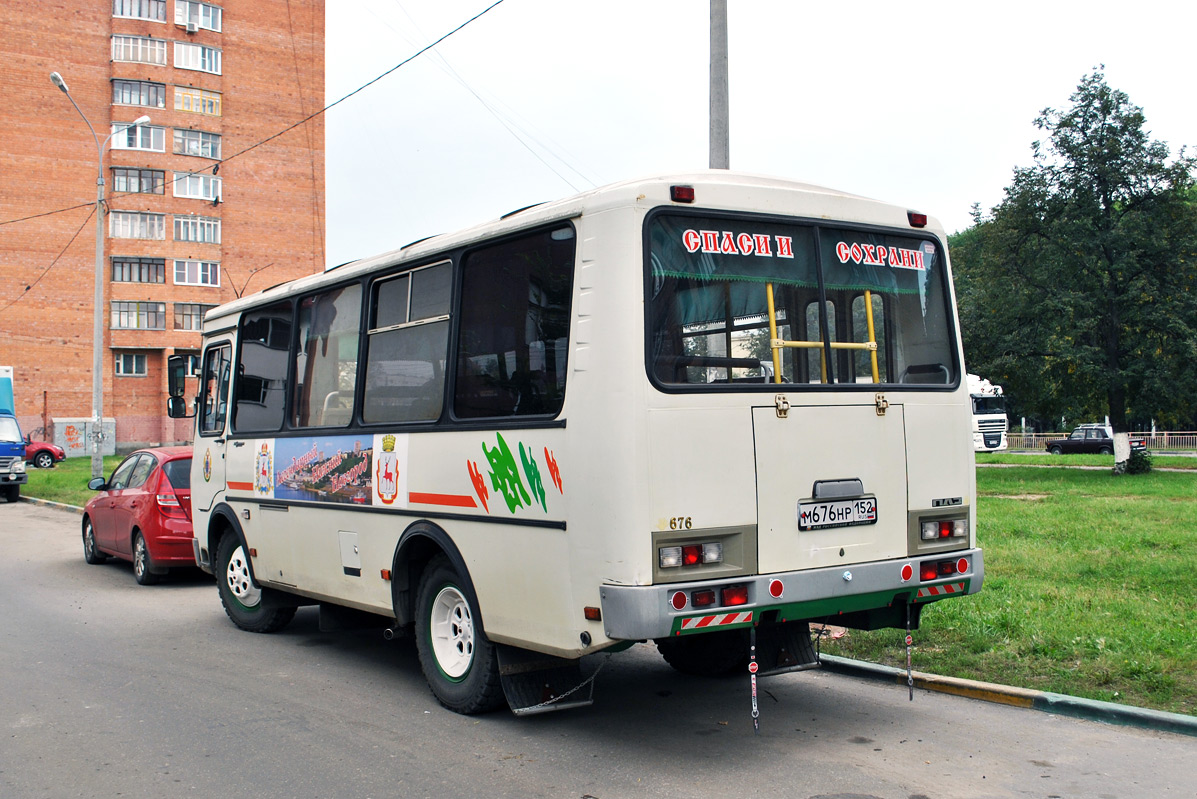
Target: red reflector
column 916, row 220
column 253, row 552
column 681, row 194
column 678, row 600
column 592, row 613
column 962, row 565
column 386, row 574
column 735, row 595
column 703, row 599
column 907, row 572
column 776, row 589
column 691, row 555
column 928, row 571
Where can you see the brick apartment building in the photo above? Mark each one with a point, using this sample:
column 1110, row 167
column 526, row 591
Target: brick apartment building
column 195, row 217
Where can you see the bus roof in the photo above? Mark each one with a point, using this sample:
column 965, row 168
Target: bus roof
column 715, row 189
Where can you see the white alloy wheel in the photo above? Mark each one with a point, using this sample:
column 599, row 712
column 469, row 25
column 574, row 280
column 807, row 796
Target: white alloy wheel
column 240, row 583
column 451, row 629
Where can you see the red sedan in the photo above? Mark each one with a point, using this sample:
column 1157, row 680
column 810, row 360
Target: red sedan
column 143, row 513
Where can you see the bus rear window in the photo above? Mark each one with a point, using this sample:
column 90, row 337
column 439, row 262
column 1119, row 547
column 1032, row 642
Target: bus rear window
column 849, row 306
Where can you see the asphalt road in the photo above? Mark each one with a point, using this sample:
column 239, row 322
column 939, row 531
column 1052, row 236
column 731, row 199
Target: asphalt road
column 111, row 689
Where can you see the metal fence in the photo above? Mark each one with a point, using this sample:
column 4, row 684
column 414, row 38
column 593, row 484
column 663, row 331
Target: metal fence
column 1159, row 442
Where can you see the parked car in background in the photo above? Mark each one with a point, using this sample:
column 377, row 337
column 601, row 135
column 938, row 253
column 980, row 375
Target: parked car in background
column 1092, row 438
column 43, row 454
column 142, row 513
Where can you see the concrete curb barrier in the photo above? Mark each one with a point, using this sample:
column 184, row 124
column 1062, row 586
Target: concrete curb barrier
column 1060, row 704
column 49, row 504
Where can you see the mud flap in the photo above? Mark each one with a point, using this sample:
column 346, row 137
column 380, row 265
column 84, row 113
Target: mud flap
column 782, row 648
column 537, row 683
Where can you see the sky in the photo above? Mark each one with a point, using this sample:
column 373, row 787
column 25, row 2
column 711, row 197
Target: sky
column 930, row 105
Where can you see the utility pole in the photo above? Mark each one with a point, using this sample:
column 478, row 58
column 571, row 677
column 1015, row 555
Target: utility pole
column 720, row 156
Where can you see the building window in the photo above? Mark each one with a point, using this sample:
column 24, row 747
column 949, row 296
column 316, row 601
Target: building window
column 197, row 57
column 190, row 315
column 197, row 273
column 204, row 15
column 197, row 101
column 197, row 142
column 138, row 137
column 197, row 187
column 138, row 270
column 139, row 49
column 138, row 315
column 130, row 364
column 138, row 181
column 201, row 229
column 137, row 225
column 140, row 9
column 139, row 92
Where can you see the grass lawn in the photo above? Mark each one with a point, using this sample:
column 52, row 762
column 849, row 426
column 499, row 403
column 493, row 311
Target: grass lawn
column 67, row 481
column 1090, row 590
column 1187, row 462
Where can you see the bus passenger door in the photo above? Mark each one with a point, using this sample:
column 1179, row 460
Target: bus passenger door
column 208, row 468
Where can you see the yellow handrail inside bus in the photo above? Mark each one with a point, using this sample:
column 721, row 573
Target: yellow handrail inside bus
column 777, row 343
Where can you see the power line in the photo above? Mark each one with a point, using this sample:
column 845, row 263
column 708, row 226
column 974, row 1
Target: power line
column 402, row 63
column 56, row 258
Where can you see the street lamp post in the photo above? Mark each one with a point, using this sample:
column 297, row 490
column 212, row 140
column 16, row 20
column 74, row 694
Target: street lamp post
column 97, row 374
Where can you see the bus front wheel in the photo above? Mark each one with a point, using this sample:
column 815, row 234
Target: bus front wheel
column 240, row 595
column 459, row 663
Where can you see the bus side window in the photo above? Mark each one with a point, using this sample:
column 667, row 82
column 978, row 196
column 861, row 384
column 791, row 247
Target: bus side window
column 407, row 345
column 214, row 390
column 515, row 311
column 262, row 370
column 326, row 361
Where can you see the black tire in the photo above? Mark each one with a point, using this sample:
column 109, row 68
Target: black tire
column 707, row 654
column 12, row 493
column 1053, row 450
column 43, row 460
column 459, row 662
column 90, row 553
column 1105, row 451
column 240, row 594
column 141, row 562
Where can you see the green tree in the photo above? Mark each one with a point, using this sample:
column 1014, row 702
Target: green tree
column 1079, row 291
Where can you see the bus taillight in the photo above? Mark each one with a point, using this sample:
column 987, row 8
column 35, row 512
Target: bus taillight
column 933, row 529
column 735, row 595
column 937, row 569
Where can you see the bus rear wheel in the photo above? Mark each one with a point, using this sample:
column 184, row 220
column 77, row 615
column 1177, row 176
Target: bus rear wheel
column 706, row 654
column 240, row 595
column 458, row 661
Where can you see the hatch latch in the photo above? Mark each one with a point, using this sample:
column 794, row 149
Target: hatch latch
column 783, row 406
column 881, row 402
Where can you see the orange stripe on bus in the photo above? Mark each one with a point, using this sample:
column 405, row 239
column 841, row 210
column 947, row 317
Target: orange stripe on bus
column 241, row 486
column 451, row 500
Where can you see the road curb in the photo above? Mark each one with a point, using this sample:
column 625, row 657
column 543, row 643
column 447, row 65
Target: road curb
column 49, row 504
column 1060, row 704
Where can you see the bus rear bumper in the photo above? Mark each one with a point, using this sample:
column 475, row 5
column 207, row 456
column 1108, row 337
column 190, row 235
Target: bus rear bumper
column 635, row 612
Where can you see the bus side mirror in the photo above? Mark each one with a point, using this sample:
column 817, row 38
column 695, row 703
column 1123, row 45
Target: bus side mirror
column 176, row 408
column 176, row 375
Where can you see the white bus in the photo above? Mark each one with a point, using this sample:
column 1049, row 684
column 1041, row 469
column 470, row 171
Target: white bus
column 703, row 410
